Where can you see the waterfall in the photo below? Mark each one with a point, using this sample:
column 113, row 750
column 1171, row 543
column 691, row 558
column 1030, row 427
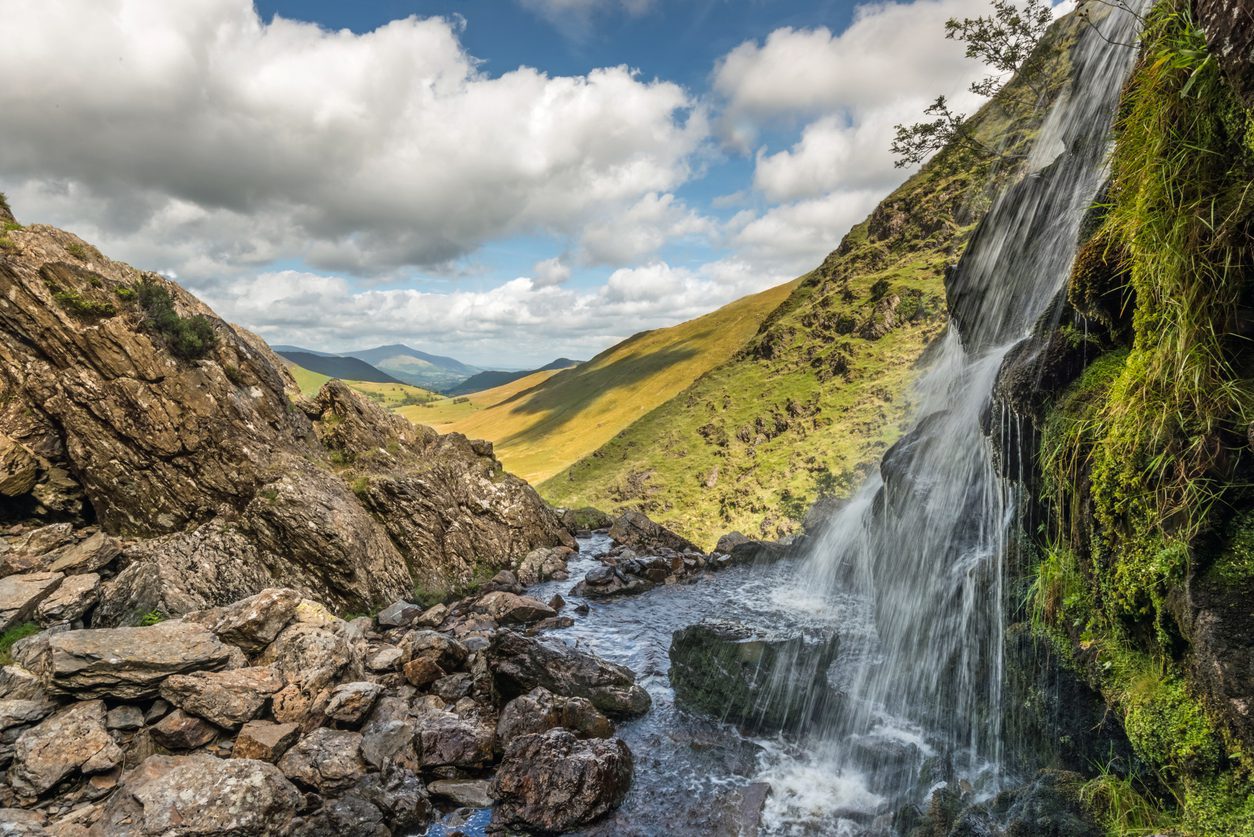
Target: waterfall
column 921, row 547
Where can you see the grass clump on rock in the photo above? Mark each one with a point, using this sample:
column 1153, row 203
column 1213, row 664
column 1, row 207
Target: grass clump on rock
column 190, row 338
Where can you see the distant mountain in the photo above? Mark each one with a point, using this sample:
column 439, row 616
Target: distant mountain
column 333, row 366
column 496, row 378
column 417, row 367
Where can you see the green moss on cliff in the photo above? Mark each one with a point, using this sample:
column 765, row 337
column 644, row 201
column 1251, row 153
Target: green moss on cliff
column 1145, row 458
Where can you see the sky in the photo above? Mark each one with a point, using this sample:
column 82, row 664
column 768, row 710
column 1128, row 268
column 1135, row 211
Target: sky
column 503, row 181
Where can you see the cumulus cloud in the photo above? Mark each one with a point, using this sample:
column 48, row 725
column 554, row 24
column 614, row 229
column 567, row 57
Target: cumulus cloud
column 550, row 272
column 240, row 140
column 640, row 231
column 890, row 51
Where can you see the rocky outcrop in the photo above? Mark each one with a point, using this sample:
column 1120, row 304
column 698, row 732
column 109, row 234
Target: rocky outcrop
column 225, row 481
column 730, row 672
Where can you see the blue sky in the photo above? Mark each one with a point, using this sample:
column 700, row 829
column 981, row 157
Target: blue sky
column 505, row 181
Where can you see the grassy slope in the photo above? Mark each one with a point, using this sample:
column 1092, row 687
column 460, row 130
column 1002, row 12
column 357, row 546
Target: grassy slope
column 539, row 429
column 811, row 403
column 389, row 395
column 445, row 413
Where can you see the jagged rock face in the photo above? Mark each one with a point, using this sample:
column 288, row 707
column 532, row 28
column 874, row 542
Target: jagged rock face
column 231, row 481
column 1229, row 28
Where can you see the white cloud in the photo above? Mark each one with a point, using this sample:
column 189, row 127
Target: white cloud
column 795, row 237
column 640, row 231
column 196, row 135
column 890, row 52
column 550, row 272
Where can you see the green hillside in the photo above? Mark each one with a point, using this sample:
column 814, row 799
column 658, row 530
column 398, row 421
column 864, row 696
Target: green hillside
column 547, row 421
column 820, row 391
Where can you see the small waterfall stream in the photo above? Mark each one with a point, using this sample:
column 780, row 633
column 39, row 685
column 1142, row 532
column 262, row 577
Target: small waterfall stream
column 922, row 545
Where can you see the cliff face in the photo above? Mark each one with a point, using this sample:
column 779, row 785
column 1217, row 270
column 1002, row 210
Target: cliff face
column 1141, row 427
column 125, row 401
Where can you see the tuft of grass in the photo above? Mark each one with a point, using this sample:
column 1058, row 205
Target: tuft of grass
column 78, row 251
column 12, row 635
column 82, row 307
column 1124, row 808
column 152, row 617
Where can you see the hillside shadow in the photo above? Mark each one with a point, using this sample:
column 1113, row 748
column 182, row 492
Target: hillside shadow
column 567, row 394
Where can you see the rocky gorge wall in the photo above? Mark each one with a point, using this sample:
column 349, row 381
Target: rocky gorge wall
column 1131, row 431
column 127, row 404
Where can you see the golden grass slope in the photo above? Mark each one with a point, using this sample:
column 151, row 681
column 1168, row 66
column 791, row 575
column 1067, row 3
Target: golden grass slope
column 541, row 426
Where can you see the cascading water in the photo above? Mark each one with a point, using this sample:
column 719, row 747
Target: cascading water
column 922, row 545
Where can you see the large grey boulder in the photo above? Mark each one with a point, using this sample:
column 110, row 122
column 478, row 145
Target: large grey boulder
column 125, row 663
column 252, row 623
column 520, row 664
column 635, row 529
column 70, row 601
column 325, row 760
column 181, row 796
column 555, row 782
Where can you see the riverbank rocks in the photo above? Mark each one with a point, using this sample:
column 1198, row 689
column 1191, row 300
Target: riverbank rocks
column 554, row 781
column 200, row 795
column 636, row 530
column 764, row 683
column 520, row 664
column 125, row 663
column 543, row 565
column 271, row 715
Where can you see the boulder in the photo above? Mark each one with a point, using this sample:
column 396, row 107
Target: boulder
column 729, row 671
column 467, row 793
column 540, row 710
column 226, row 698
column 308, row 655
column 126, row 663
column 21, row 594
column 422, row 672
column 349, row 703
column 1048, row 806
column 730, row 541
column 181, row 731
column 510, row 609
column 61, row 745
column 399, row 614
column 88, row 556
column 447, row 652
column 324, row 760
column 22, row 711
column 520, row 664
column 446, row 739
column 264, row 740
column 543, row 564
column 70, row 601
column 36, row 549
column 168, row 796
column 635, row 529
column 389, row 741
column 18, row 822
column 554, row 781
column 386, row 658
column 252, row 623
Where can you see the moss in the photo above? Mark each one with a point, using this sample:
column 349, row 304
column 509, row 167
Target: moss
column 7, row 243
column 360, row 486
column 1222, row 806
column 12, row 226
column 152, row 617
column 1169, row 728
column 125, row 293
column 11, row 636
column 1235, row 561
column 78, row 251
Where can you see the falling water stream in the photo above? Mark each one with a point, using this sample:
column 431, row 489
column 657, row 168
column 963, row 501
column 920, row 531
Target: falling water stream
column 909, row 574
